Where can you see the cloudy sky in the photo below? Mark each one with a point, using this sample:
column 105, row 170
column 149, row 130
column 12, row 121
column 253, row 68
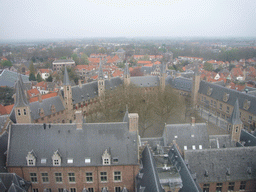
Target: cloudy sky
column 44, row 19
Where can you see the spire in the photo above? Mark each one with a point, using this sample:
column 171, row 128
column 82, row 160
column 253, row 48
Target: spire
column 100, row 75
column 21, row 100
column 126, row 118
column 196, row 71
column 235, row 117
column 66, row 78
column 163, row 68
column 126, row 69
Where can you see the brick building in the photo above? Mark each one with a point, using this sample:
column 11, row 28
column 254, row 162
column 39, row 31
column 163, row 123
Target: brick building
column 76, row 156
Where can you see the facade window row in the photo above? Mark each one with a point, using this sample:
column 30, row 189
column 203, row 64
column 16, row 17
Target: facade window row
column 117, row 177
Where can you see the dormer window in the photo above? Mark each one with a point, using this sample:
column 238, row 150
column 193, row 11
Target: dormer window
column 209, row 91
column 106, row 158
column 53, row 109
column 225, row 97
column 247, row 104
column 31, row 158
column 19, row 112
column 56, row 158
column 41, row 112
column 24, row 111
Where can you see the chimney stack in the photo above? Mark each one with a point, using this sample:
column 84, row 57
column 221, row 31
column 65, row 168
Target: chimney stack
column 193, row 121
column 133, row 121
column 40, row 97
column 80, row 83
column 79, row 120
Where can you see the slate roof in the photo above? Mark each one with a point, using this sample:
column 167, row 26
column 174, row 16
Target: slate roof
column 45, row 105
column 146, row 69
column 66, row 78
column 221, row 141
column 219, row 91
column 100, row 74
column 3, row 119
column 240, row 162
column 3, row 149
column 188, row 180
column 180, row 83
column 14, row 183
column 235, row 117
column 90, row 142
column 90, row 90
column 247, row 139
column 187, row 135
column 148, row 177
column 8, row 78
column 145, row 81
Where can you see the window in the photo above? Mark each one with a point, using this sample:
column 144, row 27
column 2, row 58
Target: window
column 200, row 147
column 19, row 112
column 242, row 185
column 56, row 162
column 231, row 185
column 185, row 147
column 35, row 190
column 30, row 162
column 60, row 190
column 72, row 189
column 117, row 189
column 58, row 177
column 193, row 147
column 89, row 177
column 227, row 109
column 103, row 177
column 43, row 160
column 48, row 189
column 25, row 112
column 71, row 177
column 236, row 129
column 220, row 106
column 117, row 176
column 214, row 104
column 87, row 160
column 90, row 189
column 70, row 161
column 175, row 136
column 33, row 177
column 106, row 161
column 218, row 187
column 206, row 188
column 45, row 178
column 192, row 135
column 115, row 160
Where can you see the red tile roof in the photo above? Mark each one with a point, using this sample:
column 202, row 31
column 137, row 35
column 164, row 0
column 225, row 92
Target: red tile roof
column 33, row 92
column 8, row 108
column 2, row 110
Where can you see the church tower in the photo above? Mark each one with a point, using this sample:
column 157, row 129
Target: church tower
column 195, row 88
column 127, row 78
column 101, row 82
column 162, row 76
column 68, row 96
column 235, row 124
column 21, row 108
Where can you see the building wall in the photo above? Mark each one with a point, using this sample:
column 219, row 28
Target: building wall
column 128, row 173
column 225, row 112
column 250, row 186
column 59, row 117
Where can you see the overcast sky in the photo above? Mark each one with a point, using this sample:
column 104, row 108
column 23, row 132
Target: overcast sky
column 44, row 19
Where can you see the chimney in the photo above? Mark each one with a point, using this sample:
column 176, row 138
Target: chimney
column 133, row 121
column 80, row 83
column 193, row 121
column 79, row 120
column 40, row 97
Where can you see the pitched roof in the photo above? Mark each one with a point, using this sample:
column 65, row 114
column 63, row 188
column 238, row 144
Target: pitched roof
column 235, row 117
column 3, row 149
column 223, row 165
column 148, row 177
column 21, row 100
column 66, row 77
column 247, row 139
column 188, row 180
column 33, row 92
column 218, row 93
column 91, row 142
column 180, row 83
column 8, row 78
column 145, row 81
column 187, row 135
column 126, row 69
column 100, row 73
column 13, row 182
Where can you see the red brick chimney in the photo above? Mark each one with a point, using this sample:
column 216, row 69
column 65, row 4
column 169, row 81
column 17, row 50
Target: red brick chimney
column 193, row 121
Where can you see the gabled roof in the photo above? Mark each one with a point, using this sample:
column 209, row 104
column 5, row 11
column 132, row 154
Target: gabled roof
column 218, row 93
column 180, row 83
column 247, row 139
column 14, row 183
column 91, row 142
column 148, row 177
column 188, row 180
column 21, row 100
column 235, row 117
column 66, row 78
column 187, row 135
column 8, row 78
column 145, row 81
column 223, row 165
